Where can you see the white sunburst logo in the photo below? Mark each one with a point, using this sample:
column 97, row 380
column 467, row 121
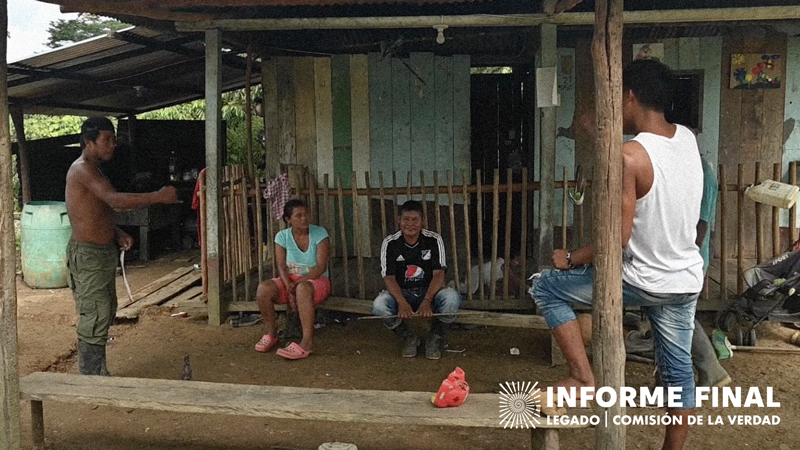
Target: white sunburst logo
column 520, row 404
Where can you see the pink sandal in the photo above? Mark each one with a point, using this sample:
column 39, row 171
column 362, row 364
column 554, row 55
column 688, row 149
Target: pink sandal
column 293, row 351
column 266, row 343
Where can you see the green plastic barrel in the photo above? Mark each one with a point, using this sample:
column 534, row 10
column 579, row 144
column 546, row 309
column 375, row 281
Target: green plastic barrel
column 45, row 234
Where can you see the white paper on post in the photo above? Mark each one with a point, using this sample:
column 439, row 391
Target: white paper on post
column 547, row 87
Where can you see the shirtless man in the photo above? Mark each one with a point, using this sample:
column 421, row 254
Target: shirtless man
column 662, row 270
column 93, row 246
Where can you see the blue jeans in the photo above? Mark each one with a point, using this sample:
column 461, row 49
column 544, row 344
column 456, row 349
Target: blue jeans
column 671, row 317
column 447, row 300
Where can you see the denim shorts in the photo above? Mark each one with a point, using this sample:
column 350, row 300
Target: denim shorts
column 447, row 300
column 671, row 317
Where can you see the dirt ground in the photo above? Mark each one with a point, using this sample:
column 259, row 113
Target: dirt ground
column 348, row 354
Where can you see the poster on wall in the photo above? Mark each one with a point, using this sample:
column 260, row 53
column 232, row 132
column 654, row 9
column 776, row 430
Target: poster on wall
column 755, row 71
column 653, row 51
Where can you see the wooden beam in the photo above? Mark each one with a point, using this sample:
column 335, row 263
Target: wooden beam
column 216, row 308
column 743, row 14
column 9, row 378
column 22, row 154
column 230, row 59
column 547, row 153
column 608, row 349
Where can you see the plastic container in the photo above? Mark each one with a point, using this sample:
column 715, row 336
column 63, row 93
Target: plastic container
column 773, row 193
column 45, row 234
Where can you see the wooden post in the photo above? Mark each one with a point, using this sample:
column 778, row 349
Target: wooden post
column 468, row 280
column 383, row 204
column 607, row 339
column 776, row 218
column 547, row 151
column 495, row 220
column 793, row 210
column 216, row 308
column 22, row 154
column 564, row 216
column 723, row 235
column 357, row 235
column 343, row 231
column 523, row 248
column 509, row 221
column 9, row 378
column 248, row 115
column 479, row 180
column 269, row 97
column 759, row 220
column 37, row 424
column 740, row 228
column 451, row 200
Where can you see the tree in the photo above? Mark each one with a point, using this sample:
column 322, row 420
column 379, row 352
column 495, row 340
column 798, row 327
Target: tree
column 86, row 26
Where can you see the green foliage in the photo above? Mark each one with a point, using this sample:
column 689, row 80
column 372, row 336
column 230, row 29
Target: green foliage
column 233, row 113
column 38, row 126
column 86, row 26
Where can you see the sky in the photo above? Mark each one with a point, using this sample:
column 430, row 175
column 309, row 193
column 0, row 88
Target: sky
column 28, row 21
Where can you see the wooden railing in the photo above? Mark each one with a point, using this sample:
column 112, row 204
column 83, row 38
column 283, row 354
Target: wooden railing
column 473, row 225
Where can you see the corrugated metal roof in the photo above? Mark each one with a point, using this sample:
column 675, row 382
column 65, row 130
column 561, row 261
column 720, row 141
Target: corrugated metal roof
column 128, row 72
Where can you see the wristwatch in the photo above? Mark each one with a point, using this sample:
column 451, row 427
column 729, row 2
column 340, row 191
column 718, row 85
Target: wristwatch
column 569, row 260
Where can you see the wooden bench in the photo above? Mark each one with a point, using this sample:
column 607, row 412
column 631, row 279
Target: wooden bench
column 339, row 405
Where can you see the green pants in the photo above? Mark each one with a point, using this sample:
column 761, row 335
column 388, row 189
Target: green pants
column 92, row 273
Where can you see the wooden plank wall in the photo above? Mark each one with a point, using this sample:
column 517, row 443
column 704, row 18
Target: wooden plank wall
column 751, row 129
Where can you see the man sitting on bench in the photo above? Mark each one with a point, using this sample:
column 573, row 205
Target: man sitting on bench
column 412, row 266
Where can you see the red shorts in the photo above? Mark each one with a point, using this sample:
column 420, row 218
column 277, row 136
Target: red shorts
column 322, row 287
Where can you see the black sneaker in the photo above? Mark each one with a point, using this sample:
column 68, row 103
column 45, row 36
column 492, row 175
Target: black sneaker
column 410, row 345
column 433, row 348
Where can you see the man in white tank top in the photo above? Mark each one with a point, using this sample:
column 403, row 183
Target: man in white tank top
column 662, row 269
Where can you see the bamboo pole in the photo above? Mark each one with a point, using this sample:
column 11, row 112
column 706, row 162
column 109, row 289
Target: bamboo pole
column 481, row 260
column 776, row 218
column 10, row 435
column 523, row 251
column 394, row 188
column 248, row 247
column 793, row 210
column 453, row 243
column 509, row 222
column 330, row 222
column 495, row 232
column 581, row 222
column 383, row 205
column 408, row 186
column 248, row 111
column 759, row 219
column 343, row 231
column 607, row 341
column 564, row 211
column 468, row 280
column 723, row 234
column 740, row 228
column 201, row 194
column 259, row 230
column 357, row 237
column 23, row 162
column 368, row 184
column 311, row 182
column 424, row 197
column 436, row 202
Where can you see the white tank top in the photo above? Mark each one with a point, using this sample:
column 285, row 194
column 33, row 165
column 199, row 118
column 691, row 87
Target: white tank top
column 661, row 255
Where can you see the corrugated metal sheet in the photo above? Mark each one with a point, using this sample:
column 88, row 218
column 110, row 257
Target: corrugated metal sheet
column 109, row 75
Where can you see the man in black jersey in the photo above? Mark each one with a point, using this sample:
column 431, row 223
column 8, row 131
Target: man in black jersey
column 412, row 266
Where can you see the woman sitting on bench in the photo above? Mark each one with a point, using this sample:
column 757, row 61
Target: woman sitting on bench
column 301, row 254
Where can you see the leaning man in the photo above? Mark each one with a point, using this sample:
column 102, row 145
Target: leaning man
column 93, row 247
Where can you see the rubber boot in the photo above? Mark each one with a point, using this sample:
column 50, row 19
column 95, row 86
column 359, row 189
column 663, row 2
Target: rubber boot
column 704, row 358
column 91, row 359
column 433, row 342
column 410, row 339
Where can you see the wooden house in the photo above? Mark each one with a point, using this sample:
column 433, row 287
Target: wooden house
column 384, row 100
